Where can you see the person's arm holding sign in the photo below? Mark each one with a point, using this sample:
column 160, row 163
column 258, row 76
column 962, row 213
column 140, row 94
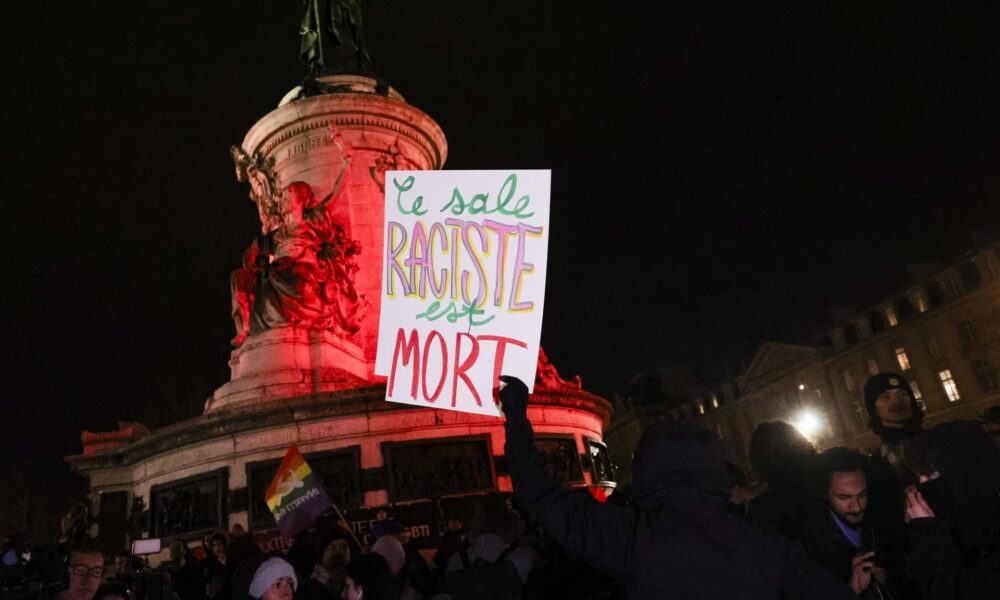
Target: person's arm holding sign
column 597, row 533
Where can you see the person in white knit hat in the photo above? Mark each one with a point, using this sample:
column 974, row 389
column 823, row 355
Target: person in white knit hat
column 274, row 580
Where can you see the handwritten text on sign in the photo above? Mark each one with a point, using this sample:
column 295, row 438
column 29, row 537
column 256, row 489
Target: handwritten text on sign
column 463, row 284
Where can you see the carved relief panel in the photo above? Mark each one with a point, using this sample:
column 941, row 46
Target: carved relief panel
column 431, row 469
column 561, row 458
column 190, row 505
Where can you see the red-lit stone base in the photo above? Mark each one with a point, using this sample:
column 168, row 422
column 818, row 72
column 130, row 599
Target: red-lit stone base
column 289, row 362
column 229, row 440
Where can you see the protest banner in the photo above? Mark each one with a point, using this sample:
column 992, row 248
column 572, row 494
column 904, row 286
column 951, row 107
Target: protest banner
column 463, row 284
column 296, row 495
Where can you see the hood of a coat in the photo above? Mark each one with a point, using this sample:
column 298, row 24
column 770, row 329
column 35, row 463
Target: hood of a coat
column 676, row 462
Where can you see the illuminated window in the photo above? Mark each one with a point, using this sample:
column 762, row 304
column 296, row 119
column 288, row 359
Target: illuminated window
column 848, row 380
column 872, row 366
column 890, row 315
column 904, row 361
column 860, row 411
column 921, row 302
column 715, row 401
column 701, row 408
column 948, row 382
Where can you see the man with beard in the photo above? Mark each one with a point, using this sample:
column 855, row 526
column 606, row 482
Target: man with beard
column 953, row 515
column 841, row 535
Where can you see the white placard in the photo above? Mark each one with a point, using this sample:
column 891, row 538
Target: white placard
column 463, row 284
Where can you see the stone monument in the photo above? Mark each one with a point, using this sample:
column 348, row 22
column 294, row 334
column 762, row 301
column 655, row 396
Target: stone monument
column 305, row 310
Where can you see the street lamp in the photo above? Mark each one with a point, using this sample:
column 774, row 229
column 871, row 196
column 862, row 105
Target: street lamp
column 809, row 423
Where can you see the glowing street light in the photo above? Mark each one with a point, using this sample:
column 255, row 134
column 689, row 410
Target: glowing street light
column 809, row 423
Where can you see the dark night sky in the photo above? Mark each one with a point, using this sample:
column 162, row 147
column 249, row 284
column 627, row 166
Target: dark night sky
column 719, row 177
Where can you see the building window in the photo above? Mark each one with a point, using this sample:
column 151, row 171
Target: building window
column 948, row 382
column 903, row 359
column 984, row 375
column 873, row 366
column 967, row 333
column 890, row 316
column 715, row 401
column 932, row 347
column 918, row 396
column 935, row 293
column 860, row 411
column 970, row 276
column 922, row 305
column 876, row 322
column 848, row 380
column 904, row 308
column 701, row 408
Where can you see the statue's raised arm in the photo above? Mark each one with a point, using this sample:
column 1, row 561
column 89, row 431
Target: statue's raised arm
column 332, row 35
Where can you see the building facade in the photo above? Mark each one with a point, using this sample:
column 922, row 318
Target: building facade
column 942, row 332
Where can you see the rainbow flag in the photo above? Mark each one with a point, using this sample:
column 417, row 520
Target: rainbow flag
column 296, row 495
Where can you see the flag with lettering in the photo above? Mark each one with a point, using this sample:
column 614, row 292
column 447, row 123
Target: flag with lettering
column 296, row 495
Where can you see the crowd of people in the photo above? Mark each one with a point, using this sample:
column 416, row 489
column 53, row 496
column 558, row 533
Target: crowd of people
column 919, row 518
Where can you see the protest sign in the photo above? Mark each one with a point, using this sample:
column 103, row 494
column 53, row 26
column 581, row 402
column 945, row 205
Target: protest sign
column 463, row 284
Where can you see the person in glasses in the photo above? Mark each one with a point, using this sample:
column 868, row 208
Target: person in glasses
column 86, row 568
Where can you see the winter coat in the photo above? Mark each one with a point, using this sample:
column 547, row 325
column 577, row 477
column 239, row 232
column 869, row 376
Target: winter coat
column 956, row 554
column 679, row 541
column 827, row 545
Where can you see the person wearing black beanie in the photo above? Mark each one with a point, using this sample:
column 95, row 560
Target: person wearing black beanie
column 895, row 417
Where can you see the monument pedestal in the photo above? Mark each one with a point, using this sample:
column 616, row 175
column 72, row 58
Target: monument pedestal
column 311, row 387
column 288, row 362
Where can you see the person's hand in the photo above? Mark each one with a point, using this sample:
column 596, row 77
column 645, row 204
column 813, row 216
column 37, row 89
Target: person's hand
column 861, row 572
column 513, row 397
column 916, row 506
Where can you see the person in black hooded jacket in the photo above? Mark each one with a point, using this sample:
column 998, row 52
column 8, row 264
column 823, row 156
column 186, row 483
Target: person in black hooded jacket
column 677, row 540
column 953, row 515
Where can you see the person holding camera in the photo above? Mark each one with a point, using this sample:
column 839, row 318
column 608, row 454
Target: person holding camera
column 842, row 535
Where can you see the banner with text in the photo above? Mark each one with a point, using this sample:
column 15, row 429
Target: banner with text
column 463, row 284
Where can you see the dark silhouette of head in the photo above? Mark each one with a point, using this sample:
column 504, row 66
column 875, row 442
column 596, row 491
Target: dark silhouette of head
column 780, row 455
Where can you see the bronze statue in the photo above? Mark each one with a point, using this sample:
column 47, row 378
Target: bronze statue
column 300, row 269
column 336, row 23
column 547, row 378
column 301, row 273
